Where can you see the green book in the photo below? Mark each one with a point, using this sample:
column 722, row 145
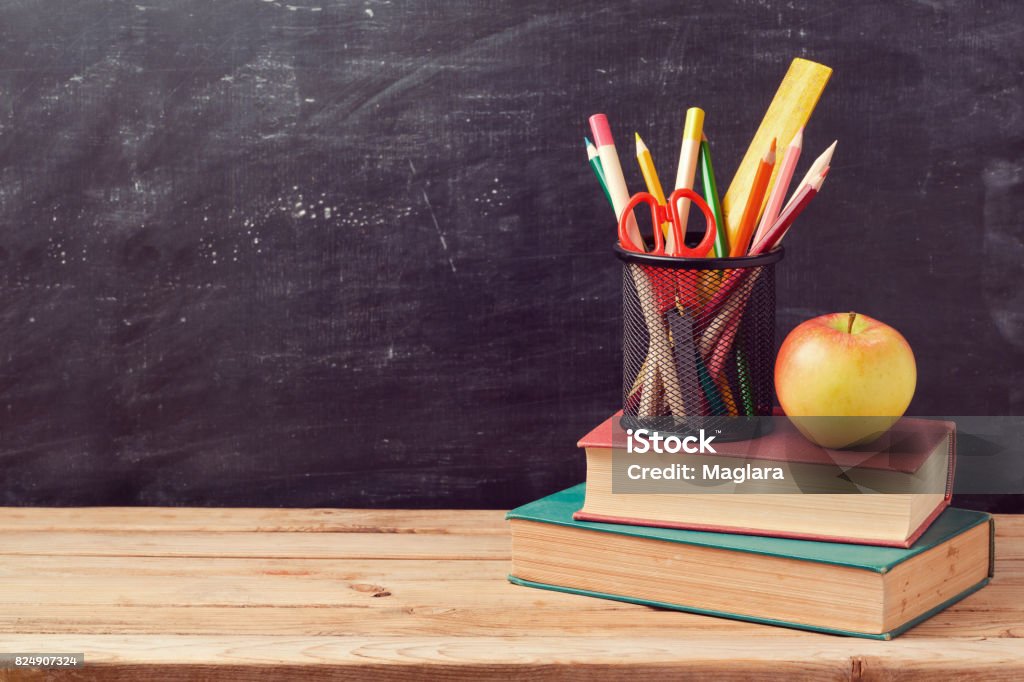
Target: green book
column 845, row 589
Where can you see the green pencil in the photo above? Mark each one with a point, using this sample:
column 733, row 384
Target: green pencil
column 714, row 398
column 745, row 388
column 595, row 163
column 721, row 248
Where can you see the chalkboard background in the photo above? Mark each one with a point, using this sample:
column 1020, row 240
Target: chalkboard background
column 254, row 253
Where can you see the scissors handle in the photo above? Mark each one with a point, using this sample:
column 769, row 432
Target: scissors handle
column 710, row 230
column 659, row 215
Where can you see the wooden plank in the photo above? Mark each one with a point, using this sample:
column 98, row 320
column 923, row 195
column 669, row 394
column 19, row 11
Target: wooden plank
column 235, row 544
column 40, row 594
column 1009, row 525
column 559, row 616
column 98, row 568
column 161, row 519
column 583, row 658
column 43, row 582
column 554, row 616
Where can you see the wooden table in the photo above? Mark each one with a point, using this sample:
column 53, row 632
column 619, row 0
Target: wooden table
column 257, row 594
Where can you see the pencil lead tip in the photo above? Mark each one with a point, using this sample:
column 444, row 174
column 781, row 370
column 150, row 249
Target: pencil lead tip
column 703, row 137
column 586, row 141
column 827, row 155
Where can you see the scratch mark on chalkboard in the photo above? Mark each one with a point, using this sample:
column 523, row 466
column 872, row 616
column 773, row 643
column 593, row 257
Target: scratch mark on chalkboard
column 674, row 55
column 1003, row 247
column 816, row 17
column 434, row 66
column 922, row 189
column 437, row 226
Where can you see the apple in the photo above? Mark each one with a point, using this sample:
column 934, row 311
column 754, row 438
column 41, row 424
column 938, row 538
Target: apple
column 844, row 379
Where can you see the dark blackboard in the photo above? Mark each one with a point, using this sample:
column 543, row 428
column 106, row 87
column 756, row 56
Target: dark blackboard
column 254, row 253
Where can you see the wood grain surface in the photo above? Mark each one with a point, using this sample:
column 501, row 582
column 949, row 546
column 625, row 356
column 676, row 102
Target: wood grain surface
column 349, row 253
column 356, row 594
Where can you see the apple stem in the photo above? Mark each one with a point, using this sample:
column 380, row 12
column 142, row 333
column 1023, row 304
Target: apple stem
column 849, row 326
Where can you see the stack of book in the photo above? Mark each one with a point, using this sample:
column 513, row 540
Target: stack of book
column 869, row 565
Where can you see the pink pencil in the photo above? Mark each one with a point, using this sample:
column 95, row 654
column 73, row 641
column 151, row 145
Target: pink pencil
column 782, row 180
column 793, row 209
column 824, row 160
column 613, row 177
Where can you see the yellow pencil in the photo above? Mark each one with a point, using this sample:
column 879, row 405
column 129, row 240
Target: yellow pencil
column 643, row 157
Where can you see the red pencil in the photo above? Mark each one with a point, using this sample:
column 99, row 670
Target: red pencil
column 803, row 197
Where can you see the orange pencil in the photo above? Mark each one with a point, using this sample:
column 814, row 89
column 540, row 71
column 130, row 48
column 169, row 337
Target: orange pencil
column 748, row 221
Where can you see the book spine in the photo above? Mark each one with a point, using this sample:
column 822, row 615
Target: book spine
column 952, row 462
column 991, row 547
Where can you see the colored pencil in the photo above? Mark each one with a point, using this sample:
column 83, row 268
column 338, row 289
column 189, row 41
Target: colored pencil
column 651, row 403
column 613, row 173
column 746, row 391
column 680, row 324
column 646, row 161
column 645, row 291
column 825, row 159
column 785, row 221
column 721, row 246
column 711, row 337
column 689, row 151
column 745, row 231
column 781, row 186
column 595, row 164
column 721, row 351
column 715, row 401
column 726, row 392
column 643, row 157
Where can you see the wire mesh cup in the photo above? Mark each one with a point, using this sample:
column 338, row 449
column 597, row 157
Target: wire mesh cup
column 698, row 346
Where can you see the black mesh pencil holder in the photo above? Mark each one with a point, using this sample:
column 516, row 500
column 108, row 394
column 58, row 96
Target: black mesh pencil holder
column 698, row 345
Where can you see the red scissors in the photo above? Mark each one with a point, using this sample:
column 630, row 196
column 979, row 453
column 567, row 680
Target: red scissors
column 669, row 214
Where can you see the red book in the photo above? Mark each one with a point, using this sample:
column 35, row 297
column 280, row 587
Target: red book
column 913, row 462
